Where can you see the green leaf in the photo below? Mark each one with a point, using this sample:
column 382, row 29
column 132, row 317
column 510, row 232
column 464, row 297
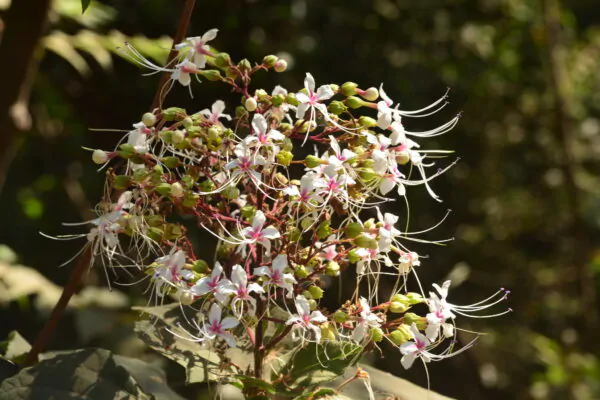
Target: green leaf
column 90, row 374
column 252, row 382
column 84, row 5
column 14, row 346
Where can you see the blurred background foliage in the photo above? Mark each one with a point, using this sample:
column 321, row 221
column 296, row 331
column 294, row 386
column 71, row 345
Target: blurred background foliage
column 524, row 196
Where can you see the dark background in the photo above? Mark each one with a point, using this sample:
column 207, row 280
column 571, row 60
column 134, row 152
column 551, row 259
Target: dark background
column 524, row 196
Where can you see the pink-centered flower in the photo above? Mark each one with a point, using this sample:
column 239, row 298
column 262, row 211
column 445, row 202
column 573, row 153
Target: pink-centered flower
column 215, row 284
column 241, row 290
column 276, row 275
column 218, row 327
column 169, row 271
column 365, row 321
column 305, row 320
column 215, row 113
column 196, row 48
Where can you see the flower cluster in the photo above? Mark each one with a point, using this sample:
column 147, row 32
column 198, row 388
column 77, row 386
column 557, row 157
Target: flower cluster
column 295, row 187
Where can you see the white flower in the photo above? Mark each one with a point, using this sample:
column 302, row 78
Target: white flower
column 340, row 156
column 305, row 320
column 217, row 327
column 328, row 253
column 408, row 260
column 257, row 233
column 197, row 48
column 245, row 163
column 276, row 275
column 182, row 72
column 215, row 284
column 215, row 113
column 305, row 195
column 415, row 348
column 365, row 322
column 384, row 110
column 138, row 138
column 261, row 132
column 169, row 271
column 240, row 290
column 312, row 101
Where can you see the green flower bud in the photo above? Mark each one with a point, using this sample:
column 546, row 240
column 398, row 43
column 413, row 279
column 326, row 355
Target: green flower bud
column 335, row 88
column 324, row 230
column 214, row 132
column 401, row 335
column 285, row 158
column 158, row 169
column 312, row 161
column 371, row 94
column 399, row 297
column 261, row 94
column 187, row 122
column 370, row 223
column 312, row 304
column 412, row 318
column 307, row 294
column 336, row 107
column 316, row 292
column 231, row 192
column 414, row 298
column 284, row 126
column 212, row 75
column 300, row 272
column 170, row 162
column 99, row 156
column 281, row 65
column 190, row 199
column 201, row 267
column 349, row 89
column 367, row 174
column 367, row 122
column 270, row 60
column 127, row 150
column 365, row 242
column 232, row 73
column 248, row 212
column 244, row 65
column 240, row 111
column 340, row 316
column 332, row 268
column 277, row 100
column 376, row 334
column 222, row 60
column 251, row 104
column 185, row 298
column 207, row 186
column 353, row 256
column 327, row 333
column 291, row 99
column 163, row 189
column 402, row 157
column 352, row 230
column 121, row 182
column 354, row 102
column 398, row 307
column 174, row 114
column 166, row 135
column 149, row 119
column 139, row 175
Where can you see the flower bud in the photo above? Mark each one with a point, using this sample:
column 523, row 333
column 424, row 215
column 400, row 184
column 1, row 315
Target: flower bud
column 121, row 182
column 367, row 122
column 352, row 230
column 307, row 294
column 365, row 242
column 187, row 122
column 400, row 335
column 251, row 104
column 222, row 60
column 316, row 292
column 200, row 266
column 212, row 75
column 340, row 316
column 207, row 186
column 336, row 107
column 354, row 102
column 327, row 332
column 232, row 73
column 324, row 230
column 99, row 156
column 139, row 175
column 281, row 65
column 231, row 192
column 277, row 100
column 332, row 268
column 163, row 189
column 370, row 223
column 398, row 307
column 300, row 272
column 185, row 297
column 399, row 297
column 312, row 161
column 285, row 158
column 371, row 94
column 367, row 174
column 149, row 119
column 291, row 99
column 248, row 212
column 312, row 304
column 376, row 334
column 412, row 318
column 177, row 136
column 402, row 157
column 240, row 111
column 349, row 89
column 174, row 114
column 353, row 256
column 414, row 298
column 176, row 190
column 244, row 65
column 170, row 162
column 270, row 61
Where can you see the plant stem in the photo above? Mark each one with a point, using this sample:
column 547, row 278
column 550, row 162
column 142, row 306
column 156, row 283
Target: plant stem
column 184, row 21
column 83, row 262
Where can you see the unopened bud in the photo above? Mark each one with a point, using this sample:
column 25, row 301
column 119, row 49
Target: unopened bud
column 251, row 104
column 277, row 100
column 291, row 99
column 149, row 119
column 376, row 334
column 170, row 162
column 312, row 161
column 353, row 229
column 402, row 157
column 367, row 122
column 163, row 189
column 270, row 61
column 244, row 65
column 340, row 316
column 332, row 268
column 285, row 158
column 401, row 335
column 212, row 75
column 365, row 242
column 412, row 318
column 354, row 102
column 312, row 304
column 185, row 297
column 414, row 298
column 99, row 156
column 222, row 60
column 174, row 114
column 200, row 266
column 316, row 292
column 177, row 136
column 121, row 182
column 324, row 230
column 398, row 307
column 176, row 190
column 281, row 65
column 336, row 107
column 371, row 94
column 349, row 89
column 231, row 192
column 327, row 332
column 300, row 272
column 187, row 122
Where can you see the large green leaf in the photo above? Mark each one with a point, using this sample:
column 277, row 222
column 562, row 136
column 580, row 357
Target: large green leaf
column 84, row 5
column 90, row 374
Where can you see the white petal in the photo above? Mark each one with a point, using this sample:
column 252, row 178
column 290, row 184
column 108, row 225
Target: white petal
column 309, row 83
column 324, row 92
column 270, row 233
column 209, row 35
column 218, row 107
column 259, row 123
column 301, row 110
column 259, row 219
column 408, row 360
column 214, row 313
column 229, row 322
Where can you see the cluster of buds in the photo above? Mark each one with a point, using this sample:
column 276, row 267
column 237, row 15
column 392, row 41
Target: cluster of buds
column 284, row 224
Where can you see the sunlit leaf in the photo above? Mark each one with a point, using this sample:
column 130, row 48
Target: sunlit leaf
column 14, row 346
column 84, row 5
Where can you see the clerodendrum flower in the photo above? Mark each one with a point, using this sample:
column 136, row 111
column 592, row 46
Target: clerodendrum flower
column 215, row 284
column 169, row 271
column 276, row 277
column 218, row 327
column 240, row 289
column 365, row 321
column 305, row 319
column 196, row 48
column 258, row 233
